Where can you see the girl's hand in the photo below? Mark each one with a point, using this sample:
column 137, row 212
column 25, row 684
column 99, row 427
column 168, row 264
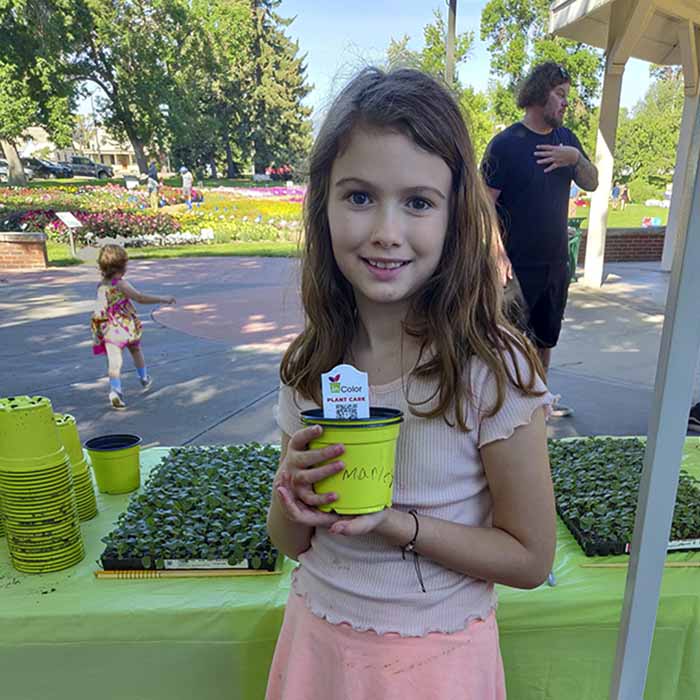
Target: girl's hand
column 358, row 524
column 297, row 474
column 169, row 300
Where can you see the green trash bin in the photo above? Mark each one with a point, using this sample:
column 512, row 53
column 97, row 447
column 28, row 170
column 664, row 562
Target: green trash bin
column 574, row 245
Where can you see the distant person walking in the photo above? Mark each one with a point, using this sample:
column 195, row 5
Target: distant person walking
column 187, row 186
column 115, row 324
column 615, row 195
column 153, row 186
column 624, row 197
column 528, row 168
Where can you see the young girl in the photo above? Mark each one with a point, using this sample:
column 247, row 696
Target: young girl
column 398, row 279
column 115, row 324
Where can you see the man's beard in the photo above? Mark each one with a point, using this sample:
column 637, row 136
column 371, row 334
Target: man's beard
column 553, row 121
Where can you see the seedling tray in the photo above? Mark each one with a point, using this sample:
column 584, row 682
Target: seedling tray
column 202, row 508
column 596, row 486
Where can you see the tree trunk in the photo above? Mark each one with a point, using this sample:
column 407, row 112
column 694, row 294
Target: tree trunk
column 140, row 155
column 15, row 171
column 212, row 166
column 260, row 163
column 231, row 167
column 137, row 145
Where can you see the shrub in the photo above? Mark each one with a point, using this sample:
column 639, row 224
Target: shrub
column 641, row 190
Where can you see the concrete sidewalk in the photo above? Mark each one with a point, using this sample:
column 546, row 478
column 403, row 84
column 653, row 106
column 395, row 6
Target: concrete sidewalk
column 605, row 363
column 215, row 355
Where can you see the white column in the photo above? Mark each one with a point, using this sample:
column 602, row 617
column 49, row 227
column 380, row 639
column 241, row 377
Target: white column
column 605, row 149
column 667, row 427
column 680, row 200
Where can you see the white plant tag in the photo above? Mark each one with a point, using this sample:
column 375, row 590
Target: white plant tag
column 345, row 393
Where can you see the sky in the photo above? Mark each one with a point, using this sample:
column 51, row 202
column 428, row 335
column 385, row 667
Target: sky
column 340, row 37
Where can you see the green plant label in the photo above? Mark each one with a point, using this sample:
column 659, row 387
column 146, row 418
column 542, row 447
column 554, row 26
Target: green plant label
column 345, row 393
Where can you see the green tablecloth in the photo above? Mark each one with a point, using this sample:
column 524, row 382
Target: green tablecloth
column 68, row 636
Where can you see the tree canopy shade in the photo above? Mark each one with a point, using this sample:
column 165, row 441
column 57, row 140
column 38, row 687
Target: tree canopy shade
column 516, row 34
column 207, row 80
column 34, row 86
column 647, row 137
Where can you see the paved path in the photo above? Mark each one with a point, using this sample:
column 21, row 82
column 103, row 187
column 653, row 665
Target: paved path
column 214, row 356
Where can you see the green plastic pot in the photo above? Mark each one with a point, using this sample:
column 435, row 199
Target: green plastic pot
column 28, row 435
column 68, row 433
column 115, row 461
column 365, row 485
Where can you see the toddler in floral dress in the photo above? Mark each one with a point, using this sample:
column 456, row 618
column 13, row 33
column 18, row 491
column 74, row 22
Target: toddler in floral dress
column 115, row 324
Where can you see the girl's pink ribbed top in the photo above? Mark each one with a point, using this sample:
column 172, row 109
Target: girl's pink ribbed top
column 363, row 580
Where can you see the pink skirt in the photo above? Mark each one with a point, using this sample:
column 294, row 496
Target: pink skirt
column 317, row 660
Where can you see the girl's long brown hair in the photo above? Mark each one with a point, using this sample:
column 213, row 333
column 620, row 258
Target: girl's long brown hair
column 459, row 312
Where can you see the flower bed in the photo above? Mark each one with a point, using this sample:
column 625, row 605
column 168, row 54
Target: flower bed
column 202, row 507
column 238, row 218
column 114, row 223
column 596, row 484
column 114, row 212
column 86, row 198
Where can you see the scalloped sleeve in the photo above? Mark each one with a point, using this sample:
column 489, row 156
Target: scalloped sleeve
column 517, row 408
column 289, row 406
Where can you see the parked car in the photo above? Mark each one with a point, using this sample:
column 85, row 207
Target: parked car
column 84, row 166
column 46, row 168
column 5, row 169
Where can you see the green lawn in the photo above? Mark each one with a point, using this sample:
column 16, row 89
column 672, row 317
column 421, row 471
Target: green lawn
column 630, row 218
column 176, row 181
column 59, row 253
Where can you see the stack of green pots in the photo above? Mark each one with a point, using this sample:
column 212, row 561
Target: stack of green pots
column 36, row 488
column 82, row 480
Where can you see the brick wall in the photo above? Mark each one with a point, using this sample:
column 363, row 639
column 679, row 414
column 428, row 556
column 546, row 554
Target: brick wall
column 23, row 251
column 629, row 245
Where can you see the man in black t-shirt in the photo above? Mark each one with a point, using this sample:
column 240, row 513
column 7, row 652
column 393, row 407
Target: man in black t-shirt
column 528, row 168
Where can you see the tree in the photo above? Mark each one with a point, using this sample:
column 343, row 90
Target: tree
column 432, row 58
column 17, row 112
column 277, row 122
column 34, row 86
column 516, row 32
column 647, row 138
column 131, row 49
column 209, row 93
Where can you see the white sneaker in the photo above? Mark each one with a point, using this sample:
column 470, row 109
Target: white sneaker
column 559, row 410
column 146, row 383
column 116, row 399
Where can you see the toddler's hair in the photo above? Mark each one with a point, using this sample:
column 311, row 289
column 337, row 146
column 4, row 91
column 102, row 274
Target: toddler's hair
column 458, row 312
column 112, row 260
